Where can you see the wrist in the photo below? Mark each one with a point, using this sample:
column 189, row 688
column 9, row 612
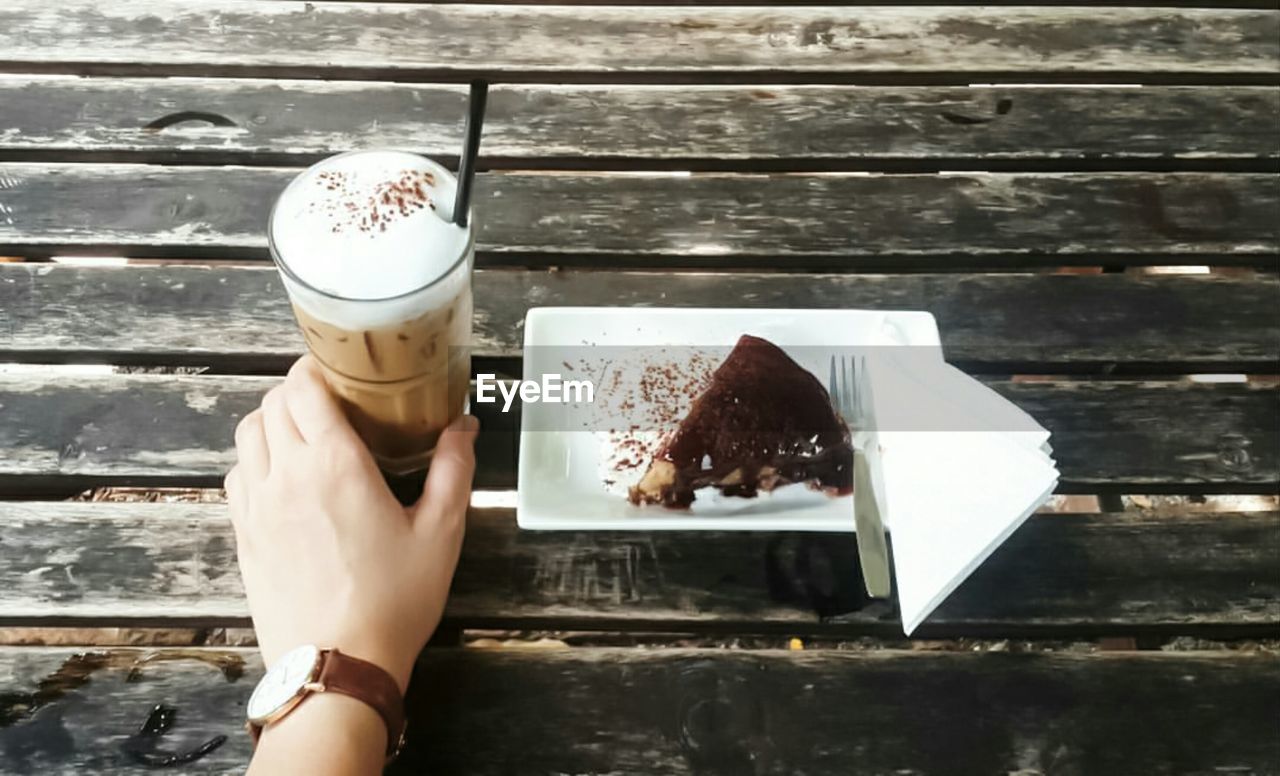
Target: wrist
column 347, row 716
column 337, row 731
column 397, row 665
column 308, row 672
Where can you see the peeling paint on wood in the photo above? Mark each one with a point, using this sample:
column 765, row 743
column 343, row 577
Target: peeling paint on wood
column 138, row 428
column 1042, row 216
column 112, row 563
column 528, row 123
column 234, row 317
column 602, row 40
column 1058, row 575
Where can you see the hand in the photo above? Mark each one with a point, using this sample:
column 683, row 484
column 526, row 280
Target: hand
column 328, row 556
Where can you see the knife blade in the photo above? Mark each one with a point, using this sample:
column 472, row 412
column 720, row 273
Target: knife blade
column 873, row 549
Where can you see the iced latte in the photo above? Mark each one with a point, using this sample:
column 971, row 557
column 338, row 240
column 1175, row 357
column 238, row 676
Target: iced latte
column 380, row 282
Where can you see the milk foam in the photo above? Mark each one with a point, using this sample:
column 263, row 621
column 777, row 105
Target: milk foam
column 361, row 232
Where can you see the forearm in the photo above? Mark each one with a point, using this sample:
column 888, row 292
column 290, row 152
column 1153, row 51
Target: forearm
column 328, row 734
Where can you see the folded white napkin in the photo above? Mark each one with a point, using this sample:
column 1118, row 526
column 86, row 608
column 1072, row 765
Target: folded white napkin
column 957, row 469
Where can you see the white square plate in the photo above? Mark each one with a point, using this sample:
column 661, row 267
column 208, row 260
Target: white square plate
column 562, row 477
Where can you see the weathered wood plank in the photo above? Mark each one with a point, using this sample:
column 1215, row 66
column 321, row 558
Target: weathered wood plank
column 831, row 126
column 238, row 317
column 542, row 41
column 153, row 429
column 142, row 429
column 1060, row 574
column 845, row 713
column 602, row 711
column 1260, row 4
column 962, row 219
column 68, row 712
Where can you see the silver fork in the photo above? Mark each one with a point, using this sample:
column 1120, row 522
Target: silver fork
column 873, row 549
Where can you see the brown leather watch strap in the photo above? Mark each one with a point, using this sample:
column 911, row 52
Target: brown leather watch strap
column 366, row 682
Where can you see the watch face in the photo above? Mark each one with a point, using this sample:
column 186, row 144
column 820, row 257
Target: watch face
column 283, row 682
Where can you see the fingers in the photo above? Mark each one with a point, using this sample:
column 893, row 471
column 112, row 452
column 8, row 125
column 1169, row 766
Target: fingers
column 251, row 446
column 448, row 489
column 278, row 425
column 314, row 409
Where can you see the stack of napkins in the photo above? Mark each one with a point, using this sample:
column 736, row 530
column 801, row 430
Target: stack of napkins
column 955, row 466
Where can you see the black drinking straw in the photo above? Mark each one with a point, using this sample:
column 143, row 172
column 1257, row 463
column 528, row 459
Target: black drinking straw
column 470, row 151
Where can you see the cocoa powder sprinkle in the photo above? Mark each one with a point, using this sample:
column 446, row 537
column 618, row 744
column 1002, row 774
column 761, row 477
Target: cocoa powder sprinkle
column 655, row 402
column 371, row 210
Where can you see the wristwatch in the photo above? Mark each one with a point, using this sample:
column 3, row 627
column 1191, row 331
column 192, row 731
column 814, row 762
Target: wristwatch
column 308, row 669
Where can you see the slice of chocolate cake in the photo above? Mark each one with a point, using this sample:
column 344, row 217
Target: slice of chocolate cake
column 763, row 422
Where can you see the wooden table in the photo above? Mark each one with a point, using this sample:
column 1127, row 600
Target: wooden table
column 810, row 156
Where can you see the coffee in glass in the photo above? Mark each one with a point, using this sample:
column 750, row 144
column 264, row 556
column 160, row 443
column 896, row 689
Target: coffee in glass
column 380, row 281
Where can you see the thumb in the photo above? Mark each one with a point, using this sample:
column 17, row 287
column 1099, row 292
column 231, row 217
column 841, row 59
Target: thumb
column 447, row 491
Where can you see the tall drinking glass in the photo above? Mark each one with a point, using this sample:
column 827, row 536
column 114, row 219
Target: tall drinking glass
column 380, row 281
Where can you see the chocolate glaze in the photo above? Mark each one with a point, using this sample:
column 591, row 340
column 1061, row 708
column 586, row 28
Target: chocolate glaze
column 763, row 416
